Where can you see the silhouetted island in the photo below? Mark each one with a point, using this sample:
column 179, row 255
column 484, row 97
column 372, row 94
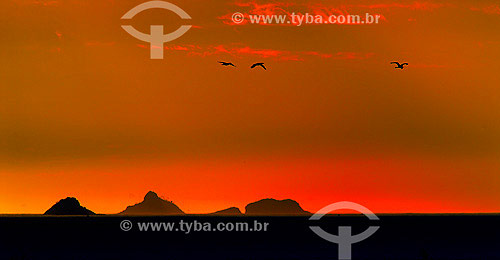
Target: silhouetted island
column 233, row 211
column 153, row 205
column 268, row 207
column 68, row 206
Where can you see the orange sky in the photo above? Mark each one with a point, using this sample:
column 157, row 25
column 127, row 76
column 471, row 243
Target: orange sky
column 86, row 113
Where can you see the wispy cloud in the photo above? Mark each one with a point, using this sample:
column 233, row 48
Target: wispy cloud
column 37, row 2
column 429, row 66
column 490, row 9
column 255, row 8
column 237, row 50
column 416, row 6
column 59, row 34
column 324, row 10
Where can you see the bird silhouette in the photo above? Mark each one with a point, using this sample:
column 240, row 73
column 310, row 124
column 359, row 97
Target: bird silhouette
column 226, row 63
column 259, row 64
column 399, row 66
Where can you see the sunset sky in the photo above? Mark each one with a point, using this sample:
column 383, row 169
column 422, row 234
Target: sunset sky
column 85, row 112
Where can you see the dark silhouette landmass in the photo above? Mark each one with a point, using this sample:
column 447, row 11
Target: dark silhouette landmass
column 233, row 211
column 269, row 207
column 153, row 205
column 68, row 206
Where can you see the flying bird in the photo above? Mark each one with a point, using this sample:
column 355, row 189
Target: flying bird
column 259, row 64
column 226, row 63
column 399, row 66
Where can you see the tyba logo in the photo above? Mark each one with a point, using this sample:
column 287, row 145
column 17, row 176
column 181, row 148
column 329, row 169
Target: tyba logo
column 156, row 38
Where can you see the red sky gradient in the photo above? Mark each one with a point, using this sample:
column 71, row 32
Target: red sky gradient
column 86, row 113
column 202, row 185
